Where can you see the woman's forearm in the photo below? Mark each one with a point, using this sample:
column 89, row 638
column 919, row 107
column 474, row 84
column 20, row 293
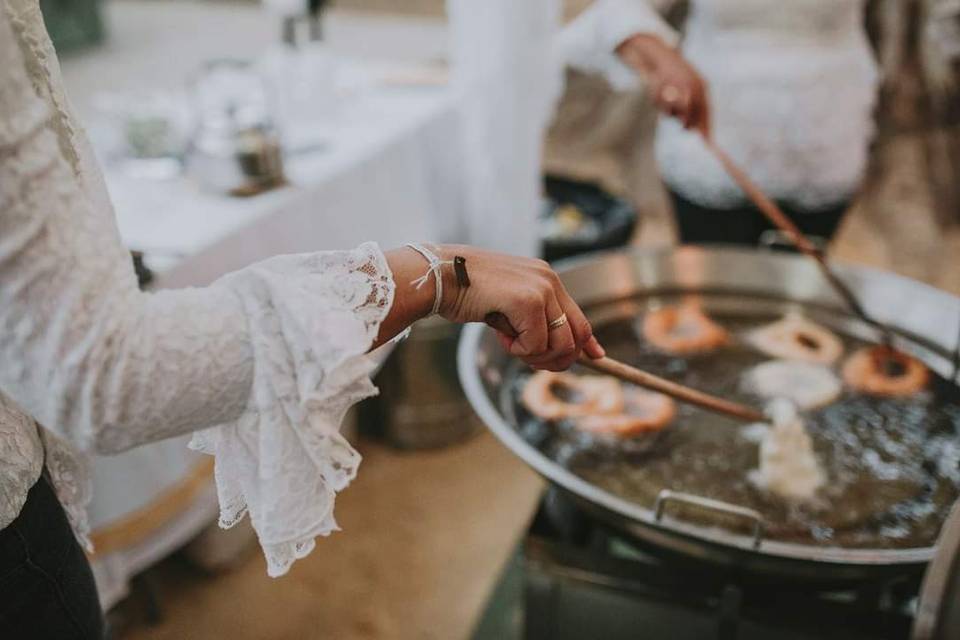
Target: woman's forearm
column 410, row 303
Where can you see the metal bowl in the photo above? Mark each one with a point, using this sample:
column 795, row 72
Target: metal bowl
column 923, row 316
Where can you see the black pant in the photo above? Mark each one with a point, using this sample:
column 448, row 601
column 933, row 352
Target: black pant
column 745, row 224
column 46, row 586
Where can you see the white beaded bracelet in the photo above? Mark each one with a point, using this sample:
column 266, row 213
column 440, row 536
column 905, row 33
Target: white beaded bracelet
column 434, row 266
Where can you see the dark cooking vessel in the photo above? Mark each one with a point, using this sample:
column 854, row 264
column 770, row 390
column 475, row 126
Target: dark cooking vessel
column 613, row 218
column 925, row 317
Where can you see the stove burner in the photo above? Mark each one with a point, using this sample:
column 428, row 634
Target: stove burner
column 581, row 581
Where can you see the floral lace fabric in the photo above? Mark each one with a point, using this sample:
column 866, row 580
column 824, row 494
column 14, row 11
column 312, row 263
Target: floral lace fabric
column 264, row 362
column 284, row 462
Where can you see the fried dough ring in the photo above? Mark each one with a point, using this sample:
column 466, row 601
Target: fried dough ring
column 592, row 395
column 807, row 384
column 683, row 329
column 796, row 338
column 866, row 371
column 644, row 411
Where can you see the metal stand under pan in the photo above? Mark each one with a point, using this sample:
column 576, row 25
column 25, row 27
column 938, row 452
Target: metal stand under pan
column 587, row 582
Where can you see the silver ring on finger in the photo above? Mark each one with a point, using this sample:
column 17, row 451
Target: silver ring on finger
column 559, row 322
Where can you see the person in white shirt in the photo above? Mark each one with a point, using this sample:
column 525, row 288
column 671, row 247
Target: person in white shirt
column 786, row 88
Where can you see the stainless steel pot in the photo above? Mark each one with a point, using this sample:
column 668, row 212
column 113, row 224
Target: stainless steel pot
column 922, row 315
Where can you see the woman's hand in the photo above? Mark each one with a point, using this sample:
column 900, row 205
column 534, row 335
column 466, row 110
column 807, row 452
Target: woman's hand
column 678, row 89
column 525, row 292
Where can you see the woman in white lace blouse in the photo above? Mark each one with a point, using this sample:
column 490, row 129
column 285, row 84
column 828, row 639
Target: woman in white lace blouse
column 792, row 87
column 261, row 365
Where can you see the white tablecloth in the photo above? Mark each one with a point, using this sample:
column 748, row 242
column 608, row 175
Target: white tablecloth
column 389, row 172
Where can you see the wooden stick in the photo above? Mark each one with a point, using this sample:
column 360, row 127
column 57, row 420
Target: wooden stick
column 682, row 393
column 782, row 221
column 646, row 380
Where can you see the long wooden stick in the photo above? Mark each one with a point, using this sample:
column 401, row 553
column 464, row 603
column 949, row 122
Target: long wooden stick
column 646, row 380
column 682, row 393
column 782, row 221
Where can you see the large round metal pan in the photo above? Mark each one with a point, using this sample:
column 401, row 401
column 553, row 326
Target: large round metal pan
column 923, row 315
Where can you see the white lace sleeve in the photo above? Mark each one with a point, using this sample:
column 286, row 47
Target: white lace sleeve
column 311, row 319
column 590, row 41
column 266, row 360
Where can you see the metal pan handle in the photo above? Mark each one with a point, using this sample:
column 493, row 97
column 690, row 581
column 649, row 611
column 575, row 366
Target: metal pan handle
column 666, row 495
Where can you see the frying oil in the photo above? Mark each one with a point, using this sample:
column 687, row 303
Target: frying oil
column 892, row 465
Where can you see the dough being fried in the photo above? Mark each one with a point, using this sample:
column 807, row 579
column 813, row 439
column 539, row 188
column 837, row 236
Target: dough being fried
column 555, row 396
column 788, row 467
column 796, row 338
column 881, row 371
column 683, row 329
column 807, row 385
column 643, row 412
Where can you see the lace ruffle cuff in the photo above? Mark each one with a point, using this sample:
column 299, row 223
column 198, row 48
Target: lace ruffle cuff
column 312, row 317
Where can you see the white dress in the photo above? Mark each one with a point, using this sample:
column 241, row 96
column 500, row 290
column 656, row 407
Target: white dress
column 263, row 363
column 508, row 77
column 792, row 89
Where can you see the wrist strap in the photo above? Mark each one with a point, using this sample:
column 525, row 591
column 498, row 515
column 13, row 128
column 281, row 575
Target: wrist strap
column 434, row 266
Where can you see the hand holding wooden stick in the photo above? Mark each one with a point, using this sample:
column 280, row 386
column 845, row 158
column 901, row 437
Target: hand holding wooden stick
column 646, row 380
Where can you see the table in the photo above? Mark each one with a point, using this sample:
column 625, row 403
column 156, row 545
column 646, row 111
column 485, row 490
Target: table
column 388, row 173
